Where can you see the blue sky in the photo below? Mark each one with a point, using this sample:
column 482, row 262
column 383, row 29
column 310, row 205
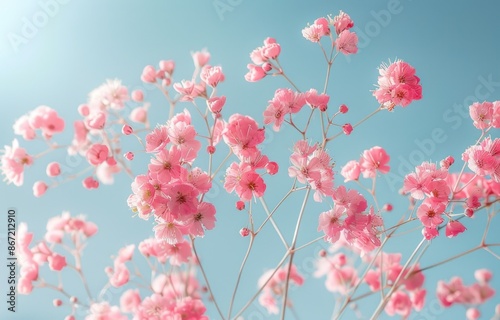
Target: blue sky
column 78, row 45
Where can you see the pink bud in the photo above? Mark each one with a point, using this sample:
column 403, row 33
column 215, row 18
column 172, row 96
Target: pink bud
column 90, row 183
column 56, row 262
column 267, row 67
column 83, row 110
column 322, row 253
column 39, row 188
column 472, row 314
column 53, row 169
column 323, row 107
column 387, row 207
column 272, row 168
column 215, row 104
column 168, row 66
column 73, row 299
column 244, row 232
column 240, row 205
column 57, row 302
column 211, row 149
column 469, row 212
column 139, row 115
column 127, row 130
column 347, row 128
column 129, row 156
column 447, row 162
column 97, row 121
column 166, row 82
column 454, row 228
column 137, row 95
column 148, row 74
column 483, row 275
column 69, row 318
column 343, row 109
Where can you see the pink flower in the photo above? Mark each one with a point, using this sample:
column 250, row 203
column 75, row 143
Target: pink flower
column 96, row 121
column 372, row 160
column 331, row 224
column 480, row 161
column 39, row 188
column 200, row 58
column 167, row 65
column 204, row 217
column 188, row 90
column 430, row 214
column 118, row 276
column 317, row 30
column 24, row 285
column 130, row 300
column 183, row 134
column 255, row 73
column 166, row 165
column 251, row 184
column 454, row 228
column 125, row 253
column 169, row 232
column 243, row 135
column 109, row 95
column 275, row 114
column 182, row 199
column 47, row 120
column 215, row 104
column 316, row 100
column 483, row 275
column 342, row 22
column 398, row 85
column 212, row 75
column 157, row 139
column 399, row 303
column 22, row 127
column 56, row 262
column 351, row 171
column 148, row 74
column 97, row 154
column 482, row 114
column 347, row 42
column 13, row 161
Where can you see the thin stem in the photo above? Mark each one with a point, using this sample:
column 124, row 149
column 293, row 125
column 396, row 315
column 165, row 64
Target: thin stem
column 249, row 302
column 205, row 278
column 270, row 218
column 252, row 237
column 292, row 252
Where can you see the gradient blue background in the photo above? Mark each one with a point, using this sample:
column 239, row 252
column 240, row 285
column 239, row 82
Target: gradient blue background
column 453, row 46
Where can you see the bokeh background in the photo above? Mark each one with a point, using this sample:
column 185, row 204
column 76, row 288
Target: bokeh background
column 453, row 46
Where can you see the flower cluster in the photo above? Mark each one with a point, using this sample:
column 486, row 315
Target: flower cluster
column 455, row 292
column 349, row 221
column 262, row 58
column 76, row 229
column 346, row 41
column 397, row 85
column 169, row 190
